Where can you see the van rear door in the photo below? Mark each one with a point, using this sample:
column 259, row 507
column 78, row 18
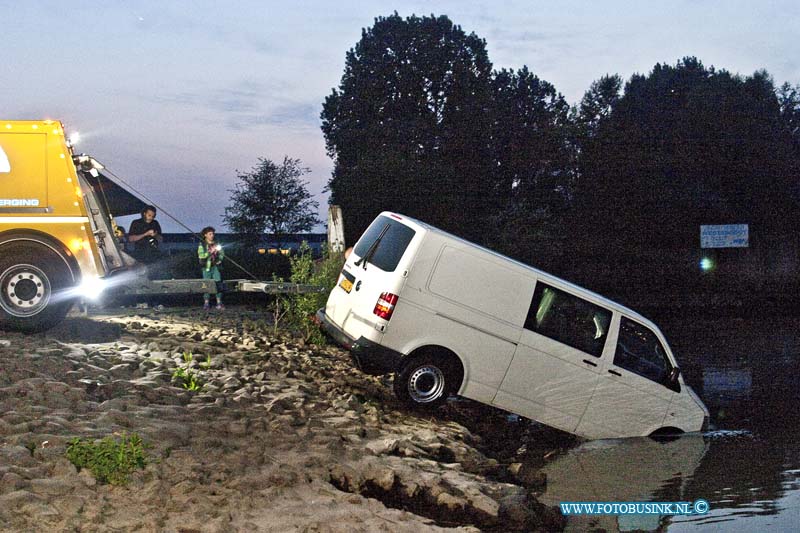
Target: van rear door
column 374, row 273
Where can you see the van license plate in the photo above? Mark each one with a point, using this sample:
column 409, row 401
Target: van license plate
column 347, row 285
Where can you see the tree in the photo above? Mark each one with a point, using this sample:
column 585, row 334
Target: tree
column 684, row 145
column 531, row 164
column 407, row 126
column 271, row 198
column 597, row 103
column 789, row 100
column 529, row 140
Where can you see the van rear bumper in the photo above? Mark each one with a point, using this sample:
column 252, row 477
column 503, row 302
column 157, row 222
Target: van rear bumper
column 368, row 356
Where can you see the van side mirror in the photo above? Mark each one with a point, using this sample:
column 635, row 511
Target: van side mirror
column 673, row 374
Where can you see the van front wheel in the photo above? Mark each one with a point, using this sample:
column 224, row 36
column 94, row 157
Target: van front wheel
column 424, row 381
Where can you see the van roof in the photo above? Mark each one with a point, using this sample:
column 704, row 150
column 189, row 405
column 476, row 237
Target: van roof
column 611, row 303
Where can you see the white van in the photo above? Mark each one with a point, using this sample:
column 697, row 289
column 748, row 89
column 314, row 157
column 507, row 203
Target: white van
column 448, row 316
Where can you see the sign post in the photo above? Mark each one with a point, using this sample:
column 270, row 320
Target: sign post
column 335, row 229
column 725, row 236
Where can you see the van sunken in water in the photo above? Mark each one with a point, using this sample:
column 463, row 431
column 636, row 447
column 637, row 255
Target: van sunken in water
column 448, row 316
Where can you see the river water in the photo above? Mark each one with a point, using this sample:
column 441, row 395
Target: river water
column 747, row 466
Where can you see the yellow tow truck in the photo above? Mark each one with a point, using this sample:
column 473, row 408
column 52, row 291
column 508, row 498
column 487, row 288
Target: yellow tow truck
column 57, row 242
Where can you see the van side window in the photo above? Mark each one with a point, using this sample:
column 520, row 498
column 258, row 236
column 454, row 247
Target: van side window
column 393, row 244
column 639, row 351
column 566, row 318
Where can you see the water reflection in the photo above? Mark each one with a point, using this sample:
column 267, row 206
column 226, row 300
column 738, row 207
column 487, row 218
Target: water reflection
column 748, row 469
column 637, row 469
column 633, row 469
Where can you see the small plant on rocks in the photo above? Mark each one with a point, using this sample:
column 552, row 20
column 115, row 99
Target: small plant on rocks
column 31, row 447
column 279, row 306
column 109, row 460
column 187, row 379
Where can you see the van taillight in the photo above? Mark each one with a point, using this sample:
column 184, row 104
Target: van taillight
column 384, row 307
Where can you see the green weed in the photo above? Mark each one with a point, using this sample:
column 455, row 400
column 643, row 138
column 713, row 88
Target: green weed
column 109, row 460
column 187, row 379
column 299, row 309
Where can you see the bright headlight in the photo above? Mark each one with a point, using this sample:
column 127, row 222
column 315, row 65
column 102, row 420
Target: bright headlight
column 92, row 288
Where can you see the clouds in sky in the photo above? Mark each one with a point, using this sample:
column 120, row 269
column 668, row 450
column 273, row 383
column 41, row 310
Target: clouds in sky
column 178, row 95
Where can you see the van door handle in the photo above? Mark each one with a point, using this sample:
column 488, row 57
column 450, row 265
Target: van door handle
column 615, row 373
column 591, row 363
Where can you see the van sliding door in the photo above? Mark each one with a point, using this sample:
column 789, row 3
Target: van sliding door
column 557, row 362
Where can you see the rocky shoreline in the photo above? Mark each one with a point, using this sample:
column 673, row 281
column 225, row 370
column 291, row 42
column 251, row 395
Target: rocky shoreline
column 279, row 437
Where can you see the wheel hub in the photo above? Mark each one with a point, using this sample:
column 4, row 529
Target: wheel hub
column 24, row 290
column 426, row 384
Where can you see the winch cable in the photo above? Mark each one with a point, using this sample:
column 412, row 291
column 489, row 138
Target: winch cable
column 167, row 213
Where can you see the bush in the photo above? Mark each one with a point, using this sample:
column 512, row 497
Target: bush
column 299, row 309
column 110, row 461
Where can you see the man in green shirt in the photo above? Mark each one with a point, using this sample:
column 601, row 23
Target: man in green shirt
column 211, row 255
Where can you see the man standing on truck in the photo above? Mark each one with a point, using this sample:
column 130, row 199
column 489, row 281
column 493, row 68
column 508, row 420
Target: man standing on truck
column 145, row 234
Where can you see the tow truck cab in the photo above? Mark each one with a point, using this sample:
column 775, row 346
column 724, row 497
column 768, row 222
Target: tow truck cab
column 56, row 236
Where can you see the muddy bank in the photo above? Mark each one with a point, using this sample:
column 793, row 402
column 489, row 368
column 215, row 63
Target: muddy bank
column 279, row 437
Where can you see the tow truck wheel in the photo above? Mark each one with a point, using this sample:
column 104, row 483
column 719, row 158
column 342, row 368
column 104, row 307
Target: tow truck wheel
column 426, row 380
column 33, row 281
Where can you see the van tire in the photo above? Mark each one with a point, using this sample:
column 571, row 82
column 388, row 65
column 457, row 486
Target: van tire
column 33, row 279
column 426, row 380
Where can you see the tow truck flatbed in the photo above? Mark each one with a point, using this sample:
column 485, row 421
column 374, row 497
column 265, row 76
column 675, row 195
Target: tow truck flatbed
column 201, row 286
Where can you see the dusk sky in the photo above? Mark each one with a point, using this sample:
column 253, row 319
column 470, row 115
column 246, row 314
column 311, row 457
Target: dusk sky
column 176, row 96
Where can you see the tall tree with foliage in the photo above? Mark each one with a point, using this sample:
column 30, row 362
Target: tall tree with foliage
column 407, row 126
column 529, row 139
column 789, row 101
column 272, row 198
column 531, row 163
column 597, row 103
column 689, row 141
column 685, row 145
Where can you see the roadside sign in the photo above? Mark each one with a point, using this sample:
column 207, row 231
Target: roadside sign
column 724, row 236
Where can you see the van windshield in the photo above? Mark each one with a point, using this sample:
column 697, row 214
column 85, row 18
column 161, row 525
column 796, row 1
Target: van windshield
column 392, row 245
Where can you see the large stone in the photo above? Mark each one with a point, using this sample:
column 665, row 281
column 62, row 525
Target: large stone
column 18, row 499
column 382, row 477
column 484, row 504
column 517, row 510
column 232, row 383
column 16, row 455
column 87, row 477
column 69, row 505
column 51, row 487
column 120, row 371
column 450, row 502
column 12, row 481
column 382, row 446
column 346, row 478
